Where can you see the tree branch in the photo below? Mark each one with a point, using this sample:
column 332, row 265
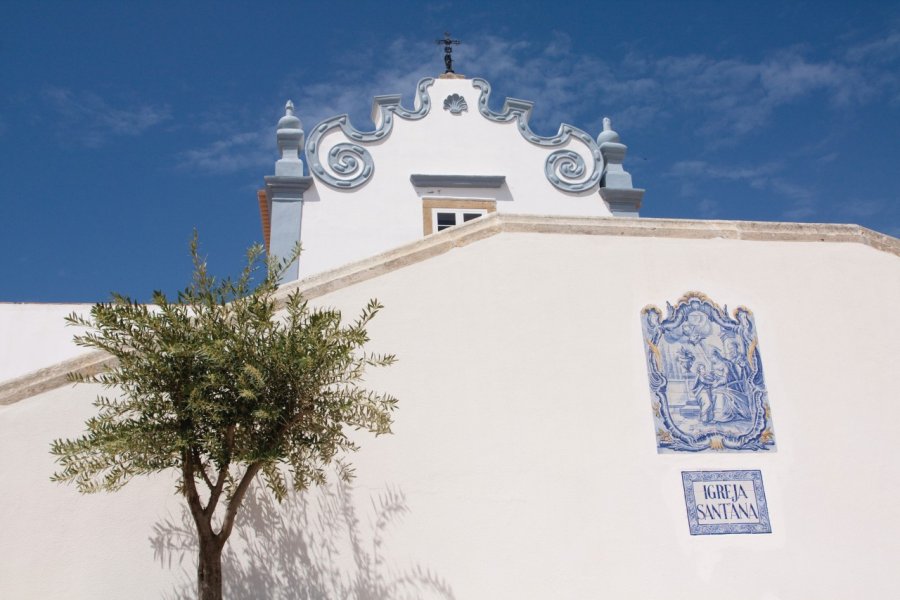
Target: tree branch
column 216, row 490
column 193, row 498
column 235, row 502
column 202, row 469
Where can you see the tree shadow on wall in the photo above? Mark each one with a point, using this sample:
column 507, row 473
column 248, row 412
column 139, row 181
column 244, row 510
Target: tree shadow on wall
column 310, row 549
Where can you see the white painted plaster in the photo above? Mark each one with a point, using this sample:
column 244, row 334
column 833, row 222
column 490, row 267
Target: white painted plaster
column 36, row 336
column 340, row 226
column 524, row 441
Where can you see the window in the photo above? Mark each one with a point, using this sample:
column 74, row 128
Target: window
column 441, row 213
column 446, row 217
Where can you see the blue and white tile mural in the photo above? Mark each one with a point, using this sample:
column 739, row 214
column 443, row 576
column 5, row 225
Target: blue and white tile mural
column 706, row 378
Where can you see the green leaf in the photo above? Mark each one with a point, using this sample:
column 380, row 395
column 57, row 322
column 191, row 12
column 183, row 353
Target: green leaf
column 228, row 376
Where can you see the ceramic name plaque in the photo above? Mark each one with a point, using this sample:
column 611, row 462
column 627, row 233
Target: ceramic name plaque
column 725, row 502
column 706, row 378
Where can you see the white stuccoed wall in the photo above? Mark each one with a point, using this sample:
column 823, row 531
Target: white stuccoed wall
column 524, row 441
column 340, row 226
column 36, row 336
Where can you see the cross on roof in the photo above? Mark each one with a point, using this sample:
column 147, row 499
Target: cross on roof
column 448, row 50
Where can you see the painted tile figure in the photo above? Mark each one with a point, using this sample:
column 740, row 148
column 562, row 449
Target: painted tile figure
column 706, row 378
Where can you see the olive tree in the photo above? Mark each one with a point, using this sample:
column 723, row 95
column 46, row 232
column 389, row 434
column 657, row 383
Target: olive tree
column 224, row 385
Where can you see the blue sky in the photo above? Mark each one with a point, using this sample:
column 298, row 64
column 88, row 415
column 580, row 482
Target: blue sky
column 125, row 125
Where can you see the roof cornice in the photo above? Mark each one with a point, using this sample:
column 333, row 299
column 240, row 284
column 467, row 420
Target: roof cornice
column 494, row 223
column 318, row 285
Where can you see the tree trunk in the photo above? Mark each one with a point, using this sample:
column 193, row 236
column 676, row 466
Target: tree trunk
column 209, row 570
column 209, row 563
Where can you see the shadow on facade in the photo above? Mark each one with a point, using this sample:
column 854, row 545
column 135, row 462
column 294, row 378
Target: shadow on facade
column 308, row 547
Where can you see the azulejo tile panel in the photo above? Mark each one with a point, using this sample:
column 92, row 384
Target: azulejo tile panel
column 721, row 502
column 706, row 378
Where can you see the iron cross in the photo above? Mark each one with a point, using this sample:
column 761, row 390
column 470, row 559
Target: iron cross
column 448, row 51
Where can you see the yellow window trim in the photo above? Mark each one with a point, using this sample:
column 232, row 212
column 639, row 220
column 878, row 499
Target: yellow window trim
column 430, row 204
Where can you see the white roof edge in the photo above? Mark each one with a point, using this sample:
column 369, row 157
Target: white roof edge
column 54, row 376
column 494, row 223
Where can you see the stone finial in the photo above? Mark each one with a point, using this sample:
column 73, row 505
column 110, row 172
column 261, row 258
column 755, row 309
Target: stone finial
column 289, row 120
column 290, row 141
column 615, row 184
column 284, row 192
column 607, row 135
column 613, row 151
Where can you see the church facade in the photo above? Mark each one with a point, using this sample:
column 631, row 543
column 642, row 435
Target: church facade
column 592, row 404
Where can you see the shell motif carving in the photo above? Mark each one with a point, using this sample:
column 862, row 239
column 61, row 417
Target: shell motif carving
column 349, row 165
column 456, row 104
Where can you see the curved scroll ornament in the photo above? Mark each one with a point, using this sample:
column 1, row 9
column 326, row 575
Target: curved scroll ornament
column 349, row 164
column 706, row 378
column 564, row 165
column 565, row 169
column 350, row 160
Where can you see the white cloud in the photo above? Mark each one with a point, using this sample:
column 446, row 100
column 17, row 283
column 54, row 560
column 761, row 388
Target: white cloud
column 859, row 208
column 720, row 100
column 800, row 210
column 92, row 121
column 693, row 168
column 801, row 200
column 351, row 87
column 725, row 98
column 885, row 49
column 708, row 208
column 567, row 86
column 241, row 150
column 729, row 98
column 794, row 191
column 791, row 76
column 250, row 142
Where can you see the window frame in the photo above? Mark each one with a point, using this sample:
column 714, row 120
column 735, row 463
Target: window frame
column 458, row 206
column 458, row 216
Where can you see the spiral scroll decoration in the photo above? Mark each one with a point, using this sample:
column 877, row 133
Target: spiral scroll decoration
column 351, row 165
column 352, row 162
column 565, row 169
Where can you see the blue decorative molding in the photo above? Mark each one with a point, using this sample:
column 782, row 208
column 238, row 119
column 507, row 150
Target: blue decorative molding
column 706, row 378
column 565, row 169
column 456, row 104
column 567, row 164
column 352, row 161
column 457, row 181
column 729, row 502
column 286, row 188
column 622, row 202
column 350, row 165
